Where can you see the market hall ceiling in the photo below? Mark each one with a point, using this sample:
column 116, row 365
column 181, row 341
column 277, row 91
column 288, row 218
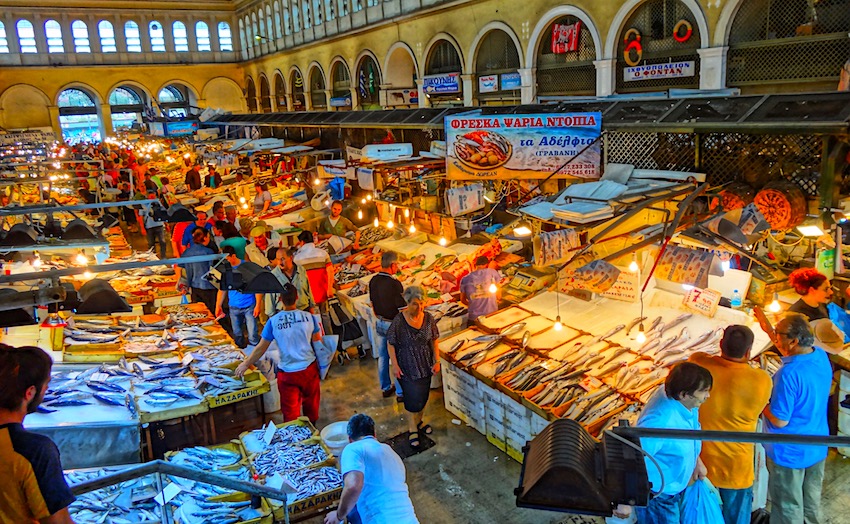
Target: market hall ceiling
column 818, row 113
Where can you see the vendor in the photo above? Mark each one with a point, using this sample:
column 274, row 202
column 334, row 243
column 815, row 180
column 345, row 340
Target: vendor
column 263, row 200
column 815, row 292
column 338, row 225
column 475, row 290
column 230, row 216
column 193, row 178
column 213, row 178
column 232, row 238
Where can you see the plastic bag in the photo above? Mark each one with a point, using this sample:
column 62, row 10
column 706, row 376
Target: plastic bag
column 701, row 504
column 325, row 352
column 840, row 318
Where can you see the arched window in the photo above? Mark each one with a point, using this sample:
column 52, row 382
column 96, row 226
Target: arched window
column 254, row 30
column 318, row 97
column 80, row 31
column 78, row 116
column 107, row 37
column 443, row 59
column 265, row 96
column 296, row 17
column 53, row 32
column 26, row 37
column 287, row 22
column 565, row 64
column 280, row 92
column 225, row 39
column 269, row 25
column 127, row 105
column 277, row 32
column 343, row 7
column 368, row 82
column 133, row 37
column 357, row 5
column 174, row 100
column 496, row 63
column 4, row 40
column 341, row 80
column 317, row 11
column 202, row 36
column 124, row 96
column 251, row 95
column 330, row 8
column 181, row 37
column 242, row 40
column 308, row 19
column 157, row 35
column 297, row 83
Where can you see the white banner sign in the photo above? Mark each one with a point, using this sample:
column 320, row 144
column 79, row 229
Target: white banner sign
column 649, row 72
column 488, row 83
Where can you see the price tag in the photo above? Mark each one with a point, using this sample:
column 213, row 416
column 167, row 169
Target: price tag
column 703, row 301
column 99, row 377
column 268, row 435
column 356, row 267
column 590, row 384
column 187, row 359
column 446, row 297
column 167, row 494
column 276, row 481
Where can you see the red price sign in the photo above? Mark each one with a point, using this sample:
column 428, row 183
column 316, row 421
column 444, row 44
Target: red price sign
column 703, row 301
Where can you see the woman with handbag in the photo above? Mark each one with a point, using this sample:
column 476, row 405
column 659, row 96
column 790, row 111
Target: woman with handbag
column 298, row 379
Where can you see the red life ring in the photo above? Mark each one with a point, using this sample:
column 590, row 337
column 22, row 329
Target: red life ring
column 632, row 45
column 689, row 30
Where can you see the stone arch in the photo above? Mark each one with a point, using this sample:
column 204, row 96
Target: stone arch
column 96, row 95
column 264, row 94
column 629, row 7
column 403, row 50
column 318, row 96
column 554, row 14
column 725, row 21
column 279, row 89
column 131, row 83
column 333, row 80
column 24, row 106
column 223, row 93
column 192, row 91
column 469, row 66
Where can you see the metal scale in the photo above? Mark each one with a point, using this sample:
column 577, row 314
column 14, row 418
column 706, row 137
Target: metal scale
column 526, row 282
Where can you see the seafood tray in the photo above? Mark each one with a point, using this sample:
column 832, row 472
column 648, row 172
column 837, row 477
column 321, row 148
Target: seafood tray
column 131, row 500
column 290, row 432
column 195, row 313
column 228, row 457
column 286, row 458
column 534, row 325
column 502, row 319
column 255, row 385
column 200, row 503
column 319, row 487
column 347, row 274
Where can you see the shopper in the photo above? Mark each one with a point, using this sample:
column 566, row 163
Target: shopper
column 675, row 406
column 32, row 486
column 244, row 308
column 815, row 292
column 217, row 213
column 193, row 178
column 193, row 275
column 284, row 268
column 374, row 479
column 263, row 200
column 476, row 292
column 385, row 294
column 200, row 222
column 738, row 397
column 256, row 251
column 338, row 225
column 412, row 345
column 320, row 272
column 167, row 193
column 798, row 406
column 154, row 229
column 232, row 238
column 294, row 332
column 230, row 216
column 213, row 178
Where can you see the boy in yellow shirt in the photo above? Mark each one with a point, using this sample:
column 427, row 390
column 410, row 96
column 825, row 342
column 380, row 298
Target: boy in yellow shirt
column 738, row 397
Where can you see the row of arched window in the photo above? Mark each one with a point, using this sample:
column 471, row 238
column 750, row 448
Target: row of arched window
column 106, row 33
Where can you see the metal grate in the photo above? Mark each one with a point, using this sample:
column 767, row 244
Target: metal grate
column 673, row 151
column 571, row 73
column 368, row 81
column 443, row 58
column 656, row 20
column 776, row 41
column 318, row 97
column 341, row 80
column 496, row 53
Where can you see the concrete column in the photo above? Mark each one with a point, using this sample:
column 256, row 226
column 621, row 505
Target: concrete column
column 355, row 97
column 424, row 101
column 105, row 120
column 528, row 90
column 12, row 34
column 606, row 78
column 308, row 100
column 215, row 45
column 329, row 93
column 54, row 119
column 191, row 36
column 468, row 88
column 67, row 35
column 712, row 67
column 288, row 101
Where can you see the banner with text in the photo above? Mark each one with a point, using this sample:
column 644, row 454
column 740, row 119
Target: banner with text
column 523, row 146
column 653, row 71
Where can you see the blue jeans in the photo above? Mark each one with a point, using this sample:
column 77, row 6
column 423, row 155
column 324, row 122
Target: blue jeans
column 384, row 371
column 663, row 509
column 244, row 316
column 156, row 234
column 737, row 505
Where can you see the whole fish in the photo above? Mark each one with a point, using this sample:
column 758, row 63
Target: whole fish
column 105, row 387
column 613, row 331
column 457, row 345
column 634, row 323
column 676, row 321
column 511, row 330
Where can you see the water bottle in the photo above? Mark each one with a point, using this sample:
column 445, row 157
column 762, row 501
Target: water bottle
column 737, row 301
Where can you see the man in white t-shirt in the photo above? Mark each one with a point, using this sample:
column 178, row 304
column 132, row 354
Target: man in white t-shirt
column 297, row 370
column 374, row 479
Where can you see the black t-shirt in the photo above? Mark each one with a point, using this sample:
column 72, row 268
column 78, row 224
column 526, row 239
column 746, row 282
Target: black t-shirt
column 813, row 313
column 21, row 450
column 385, row 294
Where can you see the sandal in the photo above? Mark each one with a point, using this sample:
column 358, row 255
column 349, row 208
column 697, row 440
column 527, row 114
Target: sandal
column 414, row 441
column 425, row 428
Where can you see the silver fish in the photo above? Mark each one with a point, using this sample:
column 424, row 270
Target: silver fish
column 676, row 321
column 634, row 323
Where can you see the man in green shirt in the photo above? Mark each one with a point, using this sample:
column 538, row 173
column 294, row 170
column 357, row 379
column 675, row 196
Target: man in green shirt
column 288, row 272
column 338, row 225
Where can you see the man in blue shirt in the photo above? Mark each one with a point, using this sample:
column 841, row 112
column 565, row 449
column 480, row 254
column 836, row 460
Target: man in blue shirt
column 675, row 406
column 798, row 406
column 201, row 222
column 154, row 228
column 193, row 275
column 244, row 308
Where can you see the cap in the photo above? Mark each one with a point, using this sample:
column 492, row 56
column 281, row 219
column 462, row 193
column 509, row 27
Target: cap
column 258, row 231
column 827, row 336
column 262, row 224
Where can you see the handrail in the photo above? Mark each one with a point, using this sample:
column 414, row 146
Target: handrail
column 732, row 436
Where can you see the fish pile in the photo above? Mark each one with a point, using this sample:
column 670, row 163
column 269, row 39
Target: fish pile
column 283, row 458
column 129, row 502
column 346, row 273
column 595, row 406
column 192, row 504
column 312, row 481
column 217, row 356
column 286, row 435
column 447, row 309
column 370, row 235
column 184, row 315
column 215, row 381
column 79, row 337
column 357, row 290
column 203, row 458
column 86, row 388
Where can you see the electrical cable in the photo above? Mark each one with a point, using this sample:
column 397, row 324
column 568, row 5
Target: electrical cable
column 770, row 234
column 644, row 453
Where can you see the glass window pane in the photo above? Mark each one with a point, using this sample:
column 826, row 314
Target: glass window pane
column 133, row 37
column 107, row 37
column 4, row 42
column 80, row 31
column 53, row 32
column 181, row 37
column 75, row 98
column 26, row 37
column 225, row 39
column 157, row 37
column 202, row 35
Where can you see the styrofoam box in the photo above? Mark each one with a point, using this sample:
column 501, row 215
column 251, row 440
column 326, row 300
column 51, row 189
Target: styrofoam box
column 478, row 423
column 496, row 438
column 844, row 381
column 844, row 422
column 514, row 449
column 538, row 424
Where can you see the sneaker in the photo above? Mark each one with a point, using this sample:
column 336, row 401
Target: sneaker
column 399, row 398
column 387, row 392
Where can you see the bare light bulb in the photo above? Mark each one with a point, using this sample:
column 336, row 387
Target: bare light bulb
column 316, row 181
column 241, row 200
column 369, row 196
column 492, row 289
column 443, row 241
column 558, row 326
column 244, row 206
column 406, row 213
column 376, row 223
column 390, row 224
column 36, row 261
column 360, row 215
column 187, row 156
column 362, row 200
column 412, row 229
column 724, row 265
column 633, row 266
column 327, row 202
column 774, row 307
column 641, row 336
column 88, row 275
column 81, row 259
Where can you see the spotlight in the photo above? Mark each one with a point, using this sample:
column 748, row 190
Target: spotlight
column 443, row 241
column 412, row 229
column 390, row 224
column 376, row 223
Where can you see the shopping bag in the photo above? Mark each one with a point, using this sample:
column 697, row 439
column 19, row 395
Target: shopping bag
column 840, row 318
column 325, row 350
column 184, row 300
column 701, row 504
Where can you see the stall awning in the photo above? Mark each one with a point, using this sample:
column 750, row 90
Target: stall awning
column 786, row 113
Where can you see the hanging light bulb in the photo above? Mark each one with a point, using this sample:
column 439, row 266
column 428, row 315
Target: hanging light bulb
column 316, row 181
column 493, row 288
column 88, row 275
column 297, row 179
column 775, row 307
column 641, row 336
column 360, row 215
column 633, row 267
column 81, row 259
column 244, row 206
column 406, row 213
column 376, row 223
column 362, row 200
column 390, row 224
column 558, row 325
column 412, row 229
column 369, row 196
column 241, row 200
column 36, row 261
column 327, row 202
column 443, row 241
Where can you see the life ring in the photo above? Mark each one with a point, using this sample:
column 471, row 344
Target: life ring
column 689, row 30
column 632, row 45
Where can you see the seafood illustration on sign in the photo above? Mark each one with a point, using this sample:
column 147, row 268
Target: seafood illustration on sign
column 483, row 149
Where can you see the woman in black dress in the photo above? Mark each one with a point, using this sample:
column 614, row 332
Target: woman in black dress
column 412, row 344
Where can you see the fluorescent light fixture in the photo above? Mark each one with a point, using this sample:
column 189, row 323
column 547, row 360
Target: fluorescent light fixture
column 523, row 229
column 810, row 230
